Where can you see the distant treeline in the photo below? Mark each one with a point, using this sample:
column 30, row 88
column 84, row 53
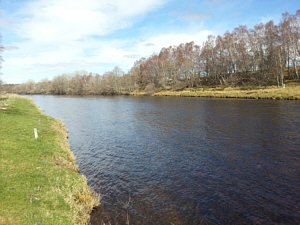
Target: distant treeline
column 81, row 83
column 264, row 55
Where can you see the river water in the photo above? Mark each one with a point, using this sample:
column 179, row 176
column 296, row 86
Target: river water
column 159, row 160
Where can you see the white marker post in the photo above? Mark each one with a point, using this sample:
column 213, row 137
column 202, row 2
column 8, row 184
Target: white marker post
column 35, row 133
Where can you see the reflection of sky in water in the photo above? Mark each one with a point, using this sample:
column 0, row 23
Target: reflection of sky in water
column 186, row 160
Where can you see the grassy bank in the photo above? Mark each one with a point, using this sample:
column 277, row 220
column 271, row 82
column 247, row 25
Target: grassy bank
column 291, row 92
column 40, row 183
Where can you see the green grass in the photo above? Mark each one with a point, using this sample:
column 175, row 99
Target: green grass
column 40, row 183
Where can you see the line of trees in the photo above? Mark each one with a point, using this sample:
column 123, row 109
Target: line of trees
column 257, row 56
column 264, row 55
column 115, row 82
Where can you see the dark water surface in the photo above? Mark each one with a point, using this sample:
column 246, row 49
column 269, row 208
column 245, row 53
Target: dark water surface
column 159, row 160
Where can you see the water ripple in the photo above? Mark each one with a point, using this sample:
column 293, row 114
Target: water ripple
column 186, row 160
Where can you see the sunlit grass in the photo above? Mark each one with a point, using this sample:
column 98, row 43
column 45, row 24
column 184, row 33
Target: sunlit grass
column 292, row 91
column 40, row 183
column 138, row 92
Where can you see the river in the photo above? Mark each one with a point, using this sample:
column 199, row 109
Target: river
column 172, row 160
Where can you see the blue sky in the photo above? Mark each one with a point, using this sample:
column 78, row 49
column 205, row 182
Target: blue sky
column 46, row 38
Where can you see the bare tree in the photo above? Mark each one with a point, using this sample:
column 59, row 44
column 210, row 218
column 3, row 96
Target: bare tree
column 60, row 84
column 290, row 28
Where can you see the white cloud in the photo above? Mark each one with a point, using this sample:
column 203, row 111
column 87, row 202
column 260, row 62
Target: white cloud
column 61, row 36
column 74, row 19
column 166, row 40
column 58, row 32
column 69, row 57
column 190, row 16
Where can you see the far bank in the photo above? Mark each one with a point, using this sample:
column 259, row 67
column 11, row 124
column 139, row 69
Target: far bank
column 290, row 92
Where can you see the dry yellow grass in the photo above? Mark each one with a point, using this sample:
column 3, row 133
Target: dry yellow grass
column 291, row 92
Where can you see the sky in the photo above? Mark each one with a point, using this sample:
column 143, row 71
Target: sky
column 46, row 38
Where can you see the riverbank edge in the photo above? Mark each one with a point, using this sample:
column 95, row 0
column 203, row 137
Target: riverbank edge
column 65, row 187
column 288, row 93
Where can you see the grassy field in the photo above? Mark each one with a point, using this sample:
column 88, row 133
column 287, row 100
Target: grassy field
column 291, row 92
column 40, row 183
